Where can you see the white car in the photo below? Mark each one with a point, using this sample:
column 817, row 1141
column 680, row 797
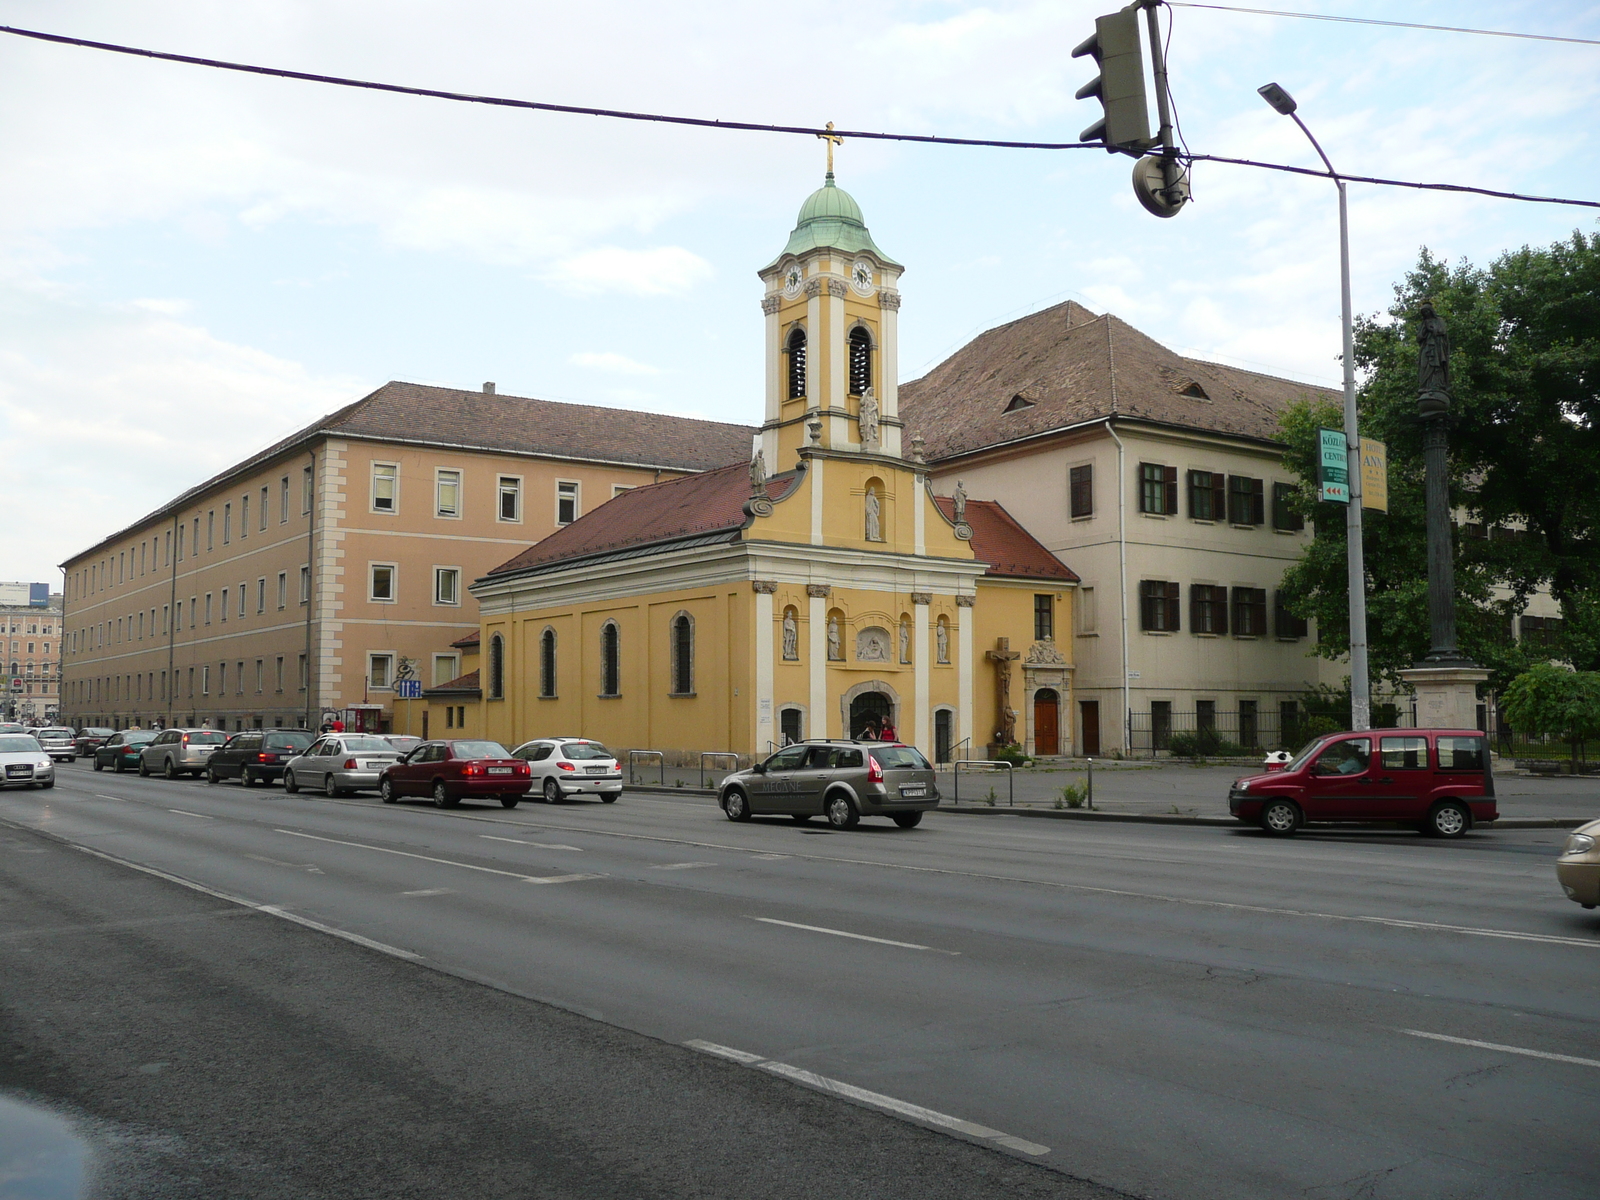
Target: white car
column 569, row 766
column 23, row 762
column 59, row 742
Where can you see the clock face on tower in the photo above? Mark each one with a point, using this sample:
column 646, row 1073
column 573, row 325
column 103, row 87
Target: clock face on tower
column 861, row 276
column 792, row 279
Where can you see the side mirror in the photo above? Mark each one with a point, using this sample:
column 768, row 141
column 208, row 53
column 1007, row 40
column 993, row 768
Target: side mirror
column 759, row 768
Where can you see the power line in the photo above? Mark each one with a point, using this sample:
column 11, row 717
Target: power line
column 748, row 126
column 1275, row 12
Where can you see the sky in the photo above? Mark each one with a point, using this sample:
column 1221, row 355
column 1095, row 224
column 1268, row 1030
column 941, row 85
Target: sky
column 194, row 263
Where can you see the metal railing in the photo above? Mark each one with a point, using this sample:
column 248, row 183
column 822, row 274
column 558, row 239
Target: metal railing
column 705, row 754
column 955, row 752
column 656, row 754
column 990, row 764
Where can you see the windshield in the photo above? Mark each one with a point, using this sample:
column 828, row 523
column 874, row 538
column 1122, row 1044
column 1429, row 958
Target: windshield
column 55, row 733
column 208, row 737
column 1304, row 756
column 139, row 737
column 403, row 744
column 900, row 758
column 578, row 751
column 478, row 750
column 18, row 744
column 287, row 741
column 96, row 731
column 368, row 745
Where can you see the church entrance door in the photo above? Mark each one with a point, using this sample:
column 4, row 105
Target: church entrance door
column 869, row 712
column 1046, row 722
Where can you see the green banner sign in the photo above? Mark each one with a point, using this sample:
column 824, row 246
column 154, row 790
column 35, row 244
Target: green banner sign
column 1333, row 466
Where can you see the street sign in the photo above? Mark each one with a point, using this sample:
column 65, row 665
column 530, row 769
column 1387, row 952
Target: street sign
column 1333, row 466
column 408, row 689
column 1374, row 475
column 16, row 686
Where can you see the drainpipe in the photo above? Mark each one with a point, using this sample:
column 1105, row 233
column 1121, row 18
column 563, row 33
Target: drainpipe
column 311, row 592
column 172, row 622
column 1122, row 581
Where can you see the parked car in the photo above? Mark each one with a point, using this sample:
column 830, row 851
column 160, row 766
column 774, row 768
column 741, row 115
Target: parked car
column 842, row 780
column 256, row 755
column 403, row 743
column 121, row 750
column 1578, row 868
column 23, row 762
column 340, row 763
column 175, row 752
column 453, row 770
column 12, row 727
column 90, row 738
column 569, row 766
column 58, row 743
column 1437, row 780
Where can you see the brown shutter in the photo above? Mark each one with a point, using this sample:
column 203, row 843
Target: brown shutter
column 1173, row 598
column 1258, row 502
column 1171, row 474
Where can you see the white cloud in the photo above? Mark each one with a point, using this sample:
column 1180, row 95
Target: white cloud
column 661, row 271
column 616, row 364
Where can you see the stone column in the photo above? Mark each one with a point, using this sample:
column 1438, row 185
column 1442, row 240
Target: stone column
column 921, row 673
column 817, row 613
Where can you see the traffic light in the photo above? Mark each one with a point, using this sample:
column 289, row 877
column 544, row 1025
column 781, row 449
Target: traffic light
column 1119, row 87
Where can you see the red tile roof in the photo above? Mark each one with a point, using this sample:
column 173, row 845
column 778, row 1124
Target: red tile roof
column 1008, row 548
column 467, row 683
column 710, row 502
column 468, row 642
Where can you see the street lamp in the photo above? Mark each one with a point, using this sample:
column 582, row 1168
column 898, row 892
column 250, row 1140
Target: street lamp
column 1360, row 688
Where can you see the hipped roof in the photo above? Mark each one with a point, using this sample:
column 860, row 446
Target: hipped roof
column 1008, row 548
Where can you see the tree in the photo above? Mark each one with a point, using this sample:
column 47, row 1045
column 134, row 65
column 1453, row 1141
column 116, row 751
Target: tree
column 1551, row 699
column 1525, row 463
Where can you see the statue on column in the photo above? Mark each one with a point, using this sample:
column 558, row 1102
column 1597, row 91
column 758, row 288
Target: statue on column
column 1433, row 362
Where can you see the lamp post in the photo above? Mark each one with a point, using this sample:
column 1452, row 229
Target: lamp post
column 1360, row 686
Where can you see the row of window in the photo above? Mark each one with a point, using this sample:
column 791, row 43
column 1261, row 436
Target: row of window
column 449, row 484
column 136, row 626
column 153, row 685
column 1212, row 496
column 16, row 647
column 681, row 643
column 1213, row 609
column 16, row 627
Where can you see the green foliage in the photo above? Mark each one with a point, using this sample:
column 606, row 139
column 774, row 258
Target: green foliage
column 1525, row 452
column 1011, row 754
column 1205, row 743
column 1551, row 699
column 1072, row 796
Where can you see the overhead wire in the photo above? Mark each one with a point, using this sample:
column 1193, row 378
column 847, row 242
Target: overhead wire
column 1305, row 16
column 745, row 126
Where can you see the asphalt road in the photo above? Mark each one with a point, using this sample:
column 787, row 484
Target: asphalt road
column 1170, row 1012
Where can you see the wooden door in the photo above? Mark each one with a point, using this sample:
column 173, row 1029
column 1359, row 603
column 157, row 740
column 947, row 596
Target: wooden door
column 1046, row 722
column 1090, row 711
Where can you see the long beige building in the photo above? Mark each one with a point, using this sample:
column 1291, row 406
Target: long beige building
column 311, row 578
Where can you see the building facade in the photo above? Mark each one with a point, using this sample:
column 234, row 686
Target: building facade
column 313, row 577
column 30, row 643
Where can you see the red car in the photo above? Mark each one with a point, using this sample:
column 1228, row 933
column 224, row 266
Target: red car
column 1437, row 780
column 454, row 770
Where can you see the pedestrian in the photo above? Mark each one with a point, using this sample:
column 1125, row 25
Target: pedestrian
column 338, row 725
column 888, row 733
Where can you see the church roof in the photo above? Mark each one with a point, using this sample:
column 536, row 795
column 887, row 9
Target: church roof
column 461, row 685
column 1009, row 549
column 690, row 508
column 1066, row 366
column 830, row 218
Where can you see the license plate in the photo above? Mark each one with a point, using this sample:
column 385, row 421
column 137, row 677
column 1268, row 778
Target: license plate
column 499, row 770
column 914, row 791
column 596, row 770
column 18, row 769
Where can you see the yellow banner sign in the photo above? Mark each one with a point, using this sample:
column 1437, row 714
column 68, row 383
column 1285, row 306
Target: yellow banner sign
column 1374, row 475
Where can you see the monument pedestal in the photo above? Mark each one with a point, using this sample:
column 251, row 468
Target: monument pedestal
column 1447, row 696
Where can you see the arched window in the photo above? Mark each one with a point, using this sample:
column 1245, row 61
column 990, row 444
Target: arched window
column 610, row 660
column 796, row 350
column 497, row 667
column 547, row 663
column 860, row 361
column 682, row 654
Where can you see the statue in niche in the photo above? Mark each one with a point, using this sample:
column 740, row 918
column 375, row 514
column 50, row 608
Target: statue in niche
column 905, row 641
column 874, row 517
column 835, row 646
column 941, row 635
column 867, row 422
column 872, row 645
column 959, row 502
column 791, row 636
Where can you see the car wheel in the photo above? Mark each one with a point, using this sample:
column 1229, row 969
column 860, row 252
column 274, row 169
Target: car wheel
column 245, row 778
column 737, row 805
column 98, row 765
column 116, row 766
column 842, row 812
column 908, row 820
column 1280, row 817
column 552, row 790
column 386, row 792
column 144, row 768
column 609, row 797
column 48, row 783
column 290, row 783
column 510, row 801
column 169, row 771
column 1448, row 820
column 442, row 797
column 329, row 787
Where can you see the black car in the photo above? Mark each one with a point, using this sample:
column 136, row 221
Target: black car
column 256, row 756
column 121, row 751
column 90, row 739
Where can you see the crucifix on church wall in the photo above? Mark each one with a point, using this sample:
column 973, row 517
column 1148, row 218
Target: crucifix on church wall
column 1002, row 656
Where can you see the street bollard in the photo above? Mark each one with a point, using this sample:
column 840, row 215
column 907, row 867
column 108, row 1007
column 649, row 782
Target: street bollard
column 1091, row 784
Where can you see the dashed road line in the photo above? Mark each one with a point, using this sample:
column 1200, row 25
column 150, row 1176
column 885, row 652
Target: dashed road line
column 183, row 812
column 1564, row 1058
column 448, row 862
column 860, row 937
column 525, row 842
column 431, row 892
column 685, row 866
column 118, row 799
column 902, row 1108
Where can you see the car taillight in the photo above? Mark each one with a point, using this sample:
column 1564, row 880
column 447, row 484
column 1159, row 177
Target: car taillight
column 523, row 768
column 185, row 740
column 566, row 766
column 874, row 770
column 472, row 769
column 349, row 764
column 266, row 758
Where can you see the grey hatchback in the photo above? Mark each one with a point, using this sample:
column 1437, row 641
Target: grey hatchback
column 841, row 780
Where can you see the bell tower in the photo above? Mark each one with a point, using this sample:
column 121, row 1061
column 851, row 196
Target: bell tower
column 832, row 305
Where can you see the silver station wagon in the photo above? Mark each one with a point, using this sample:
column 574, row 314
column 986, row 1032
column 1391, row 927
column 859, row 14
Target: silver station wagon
column 843, row 781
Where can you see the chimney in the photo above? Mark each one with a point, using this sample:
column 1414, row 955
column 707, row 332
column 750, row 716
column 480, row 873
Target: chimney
column 488, row 388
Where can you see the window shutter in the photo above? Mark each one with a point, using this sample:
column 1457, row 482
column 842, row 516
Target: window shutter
column 1258, row 502
column 1171, row 480
column 1219, row 496
column 1172, row 590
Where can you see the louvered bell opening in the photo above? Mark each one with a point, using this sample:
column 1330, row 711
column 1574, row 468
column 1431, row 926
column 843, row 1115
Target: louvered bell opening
column 796, row 350
column 860, row 361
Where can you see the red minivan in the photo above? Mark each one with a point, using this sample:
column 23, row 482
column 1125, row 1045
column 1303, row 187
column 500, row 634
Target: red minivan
column 1438, row 780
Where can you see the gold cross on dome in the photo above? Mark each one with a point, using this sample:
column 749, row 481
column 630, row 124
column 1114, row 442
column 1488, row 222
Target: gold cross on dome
column 833, row 139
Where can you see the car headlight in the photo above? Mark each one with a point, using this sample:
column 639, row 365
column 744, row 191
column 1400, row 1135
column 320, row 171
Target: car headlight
column 1242, row 785
column 1578, row 843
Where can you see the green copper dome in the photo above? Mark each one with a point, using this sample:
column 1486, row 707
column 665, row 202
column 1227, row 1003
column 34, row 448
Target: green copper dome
column 831, row 219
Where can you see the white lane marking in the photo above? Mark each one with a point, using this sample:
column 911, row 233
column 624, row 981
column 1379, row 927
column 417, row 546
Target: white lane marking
column 770, row 857
column 269, row 909
column 680, row 866
column 280, row 863
column 1566, row 1058
column 431, row 892
column 448, row 862
column 183, row 812
column 118, row 799
column 525, row 842
column 849, row 1091
column 860, row 937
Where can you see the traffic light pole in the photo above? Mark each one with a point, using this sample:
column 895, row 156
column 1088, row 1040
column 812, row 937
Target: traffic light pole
column 1170, row 171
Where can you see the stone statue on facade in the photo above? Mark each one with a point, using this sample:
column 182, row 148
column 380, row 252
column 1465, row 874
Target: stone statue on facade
column 758, row 474
column 959, row 502
column 835, row 646
column 868, row 420
column 1433, row 361
column 874, row 517
column 791, row 636
column 905, row 641
column 941, row 636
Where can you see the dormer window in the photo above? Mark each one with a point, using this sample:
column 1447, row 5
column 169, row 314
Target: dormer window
column 1195, row 392
column 1018, row 403
column 860, row 361
column 796, row 350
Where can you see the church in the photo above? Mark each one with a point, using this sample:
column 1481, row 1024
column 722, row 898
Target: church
column 819, row 589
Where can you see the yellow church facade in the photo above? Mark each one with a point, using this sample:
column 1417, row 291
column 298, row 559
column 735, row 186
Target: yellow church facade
column 820, row 589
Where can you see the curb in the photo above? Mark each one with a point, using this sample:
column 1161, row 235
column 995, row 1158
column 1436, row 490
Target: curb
column 1068, row 814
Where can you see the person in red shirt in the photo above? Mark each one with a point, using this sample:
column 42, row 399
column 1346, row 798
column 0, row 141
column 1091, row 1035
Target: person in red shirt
column 888, row 733
column 338, row 725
